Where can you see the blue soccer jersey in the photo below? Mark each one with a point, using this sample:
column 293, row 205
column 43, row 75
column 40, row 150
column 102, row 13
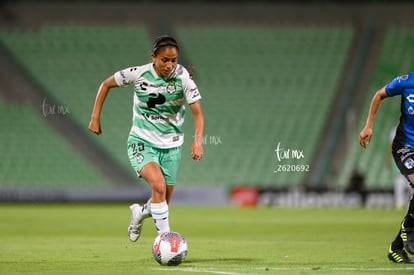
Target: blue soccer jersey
column 404, row 85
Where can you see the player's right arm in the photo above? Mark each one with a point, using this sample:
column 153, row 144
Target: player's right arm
column 106, row 85
column 366, row 133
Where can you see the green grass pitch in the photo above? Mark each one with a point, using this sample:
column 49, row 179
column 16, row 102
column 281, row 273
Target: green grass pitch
column 92, row 239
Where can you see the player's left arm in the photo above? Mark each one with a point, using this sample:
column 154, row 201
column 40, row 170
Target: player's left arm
column 197, row 146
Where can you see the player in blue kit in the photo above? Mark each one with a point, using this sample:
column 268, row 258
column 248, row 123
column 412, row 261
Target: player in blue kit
column 403, row 154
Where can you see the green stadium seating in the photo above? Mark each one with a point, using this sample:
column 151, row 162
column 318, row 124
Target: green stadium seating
column 70, row 61
column 35, row 156
column 394, row 60
column 261, row 85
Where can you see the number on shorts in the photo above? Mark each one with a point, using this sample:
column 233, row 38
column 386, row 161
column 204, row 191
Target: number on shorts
column 140, row 146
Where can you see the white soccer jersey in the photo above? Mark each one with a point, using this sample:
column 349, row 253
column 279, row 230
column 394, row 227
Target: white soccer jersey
column 159, row 103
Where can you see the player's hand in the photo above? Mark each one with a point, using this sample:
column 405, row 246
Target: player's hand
column 196, row 151
column 365, row 137
column 95, row 126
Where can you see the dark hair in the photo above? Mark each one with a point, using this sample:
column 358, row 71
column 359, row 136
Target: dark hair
column 164, row 41
column 191, row 70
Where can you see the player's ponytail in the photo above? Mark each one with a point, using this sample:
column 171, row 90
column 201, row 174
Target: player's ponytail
column 191, row 70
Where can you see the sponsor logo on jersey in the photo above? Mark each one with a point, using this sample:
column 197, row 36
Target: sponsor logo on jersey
column 155, row 99
column 410, row 110
column 170, row 87
column 410, row 98
column 403, row 150
column 156, row 118
column 143, row 86
column 195, row 92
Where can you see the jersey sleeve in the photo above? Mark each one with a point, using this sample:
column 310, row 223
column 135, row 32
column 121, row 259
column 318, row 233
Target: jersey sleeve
column 191, row 92
column 396, row 86
column 126, row 76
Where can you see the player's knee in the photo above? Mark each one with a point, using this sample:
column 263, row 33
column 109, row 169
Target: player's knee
column 158, row 186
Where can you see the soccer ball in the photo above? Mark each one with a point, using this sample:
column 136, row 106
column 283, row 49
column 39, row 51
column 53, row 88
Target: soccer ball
column 169, row 248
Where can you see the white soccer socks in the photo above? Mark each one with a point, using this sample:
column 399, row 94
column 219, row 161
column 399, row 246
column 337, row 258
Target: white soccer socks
column 159, row 212
column 146, row 209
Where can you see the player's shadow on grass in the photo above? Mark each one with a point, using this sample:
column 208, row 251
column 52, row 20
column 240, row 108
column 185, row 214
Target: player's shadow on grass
column 218, row 260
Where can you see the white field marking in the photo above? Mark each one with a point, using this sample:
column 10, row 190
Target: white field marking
column 200, row 270
column 370, row 269
column 335, row 268
column 210, row 270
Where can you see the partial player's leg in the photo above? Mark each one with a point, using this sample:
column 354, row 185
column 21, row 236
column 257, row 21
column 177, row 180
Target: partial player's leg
column 401, row 193
column 169, row 162
column 138, row 215
column 407, row 225
column 141, row 155
column 404, row 240
column 170, row 190
column 159, row 207
column 396, row 252
column 161, row 176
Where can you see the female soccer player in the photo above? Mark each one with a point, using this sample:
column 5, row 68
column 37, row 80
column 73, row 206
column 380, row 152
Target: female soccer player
column 161, row 89
column 403, row 154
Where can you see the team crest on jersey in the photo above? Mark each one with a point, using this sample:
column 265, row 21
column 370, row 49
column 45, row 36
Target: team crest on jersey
column 171, row 87
column 409, row 163
column 140, row 158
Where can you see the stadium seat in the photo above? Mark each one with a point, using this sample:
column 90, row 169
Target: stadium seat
column 261, row 86
column 35, row 156
column 70, row 61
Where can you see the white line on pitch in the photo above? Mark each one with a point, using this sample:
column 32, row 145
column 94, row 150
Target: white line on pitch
column 199, row 270
column 210, row 270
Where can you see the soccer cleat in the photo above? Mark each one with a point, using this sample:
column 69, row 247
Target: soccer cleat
column 407, row 235
column 399, row 256
column 135, row 227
